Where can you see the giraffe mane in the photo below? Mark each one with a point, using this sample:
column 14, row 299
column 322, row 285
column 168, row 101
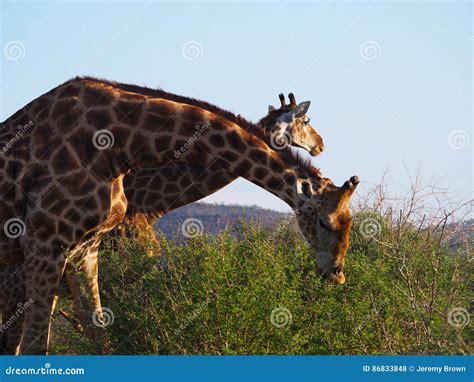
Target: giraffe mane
column 288, row 155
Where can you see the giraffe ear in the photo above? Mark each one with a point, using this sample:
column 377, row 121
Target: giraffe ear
column 271, row 108
column 301, row 109
column 304, row 189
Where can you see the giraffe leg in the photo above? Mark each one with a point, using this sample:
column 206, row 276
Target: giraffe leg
column 91, row 271
column 84, row 285
column 44, row 266
column 12, row 305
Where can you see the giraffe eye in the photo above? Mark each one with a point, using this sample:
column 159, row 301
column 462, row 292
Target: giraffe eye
column 325, row 226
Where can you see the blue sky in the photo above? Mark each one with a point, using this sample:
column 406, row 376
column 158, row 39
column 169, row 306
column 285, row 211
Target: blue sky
column 390, row 83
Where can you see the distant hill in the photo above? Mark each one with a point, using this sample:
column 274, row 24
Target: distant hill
column 460, row 236
column 216, row 217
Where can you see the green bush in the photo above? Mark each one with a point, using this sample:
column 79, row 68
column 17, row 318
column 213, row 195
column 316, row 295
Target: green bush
column 257, row 292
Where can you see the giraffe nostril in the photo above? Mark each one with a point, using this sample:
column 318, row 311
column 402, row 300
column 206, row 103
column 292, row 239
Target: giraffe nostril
column 338, row 270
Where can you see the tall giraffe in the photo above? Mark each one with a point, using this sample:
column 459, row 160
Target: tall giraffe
column 147, row 200
column 192, row 180
column 62, row 180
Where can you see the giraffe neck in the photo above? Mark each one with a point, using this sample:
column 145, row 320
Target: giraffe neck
column 151, row 131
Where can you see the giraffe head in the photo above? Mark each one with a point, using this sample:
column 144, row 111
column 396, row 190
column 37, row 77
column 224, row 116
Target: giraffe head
column 289, row 125
column 325, row 221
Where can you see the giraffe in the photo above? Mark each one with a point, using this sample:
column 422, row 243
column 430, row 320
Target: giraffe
column 187, row 183
column 64, row 178
column 299, row 133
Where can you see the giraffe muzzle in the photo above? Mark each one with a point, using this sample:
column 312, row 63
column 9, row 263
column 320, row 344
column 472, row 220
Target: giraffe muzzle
column 335, row 274
column 337, row 278
column 316, row 151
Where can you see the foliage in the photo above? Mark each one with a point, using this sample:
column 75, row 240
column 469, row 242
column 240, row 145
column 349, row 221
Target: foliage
column 216, row 295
